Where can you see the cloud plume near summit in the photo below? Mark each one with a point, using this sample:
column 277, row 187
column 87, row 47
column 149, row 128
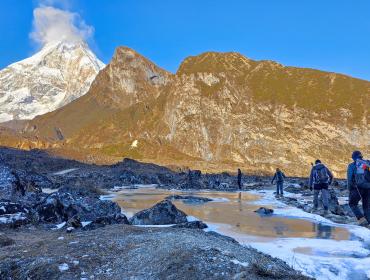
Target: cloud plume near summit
column 53, row 24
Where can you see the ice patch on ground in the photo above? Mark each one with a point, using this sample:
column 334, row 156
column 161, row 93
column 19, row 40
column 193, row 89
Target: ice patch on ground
column 134, row 186
column 219, row 199
column 86, row 223
column 107, row 196
column 65, row 171
column 192, row 219
column 319, row 258
column 334, row 259
column 63, row 267
column 158, row 226
column 235, row 261
column 59, row 226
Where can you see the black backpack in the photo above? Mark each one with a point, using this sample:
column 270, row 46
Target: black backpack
column 279, row 176
column 321, row 175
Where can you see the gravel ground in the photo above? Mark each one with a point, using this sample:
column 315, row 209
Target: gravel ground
column 129, row 252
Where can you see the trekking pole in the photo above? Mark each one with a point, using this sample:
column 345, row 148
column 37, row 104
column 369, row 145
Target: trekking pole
column 359, row 193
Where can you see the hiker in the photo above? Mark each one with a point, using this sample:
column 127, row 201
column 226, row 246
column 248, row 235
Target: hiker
column 358, row 183
column 239, row 179
column 320, row 179
column 279, row 177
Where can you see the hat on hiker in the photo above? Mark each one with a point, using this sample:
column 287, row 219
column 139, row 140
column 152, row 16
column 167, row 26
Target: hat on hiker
column 356, row 155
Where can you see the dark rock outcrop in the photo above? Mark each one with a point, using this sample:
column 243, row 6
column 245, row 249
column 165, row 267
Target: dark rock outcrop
column 13, row 214
column 189, row 198
column 77, row 205
column 108, row 220
column 264, row 211
column 163, row 213
column 74, row 222
column 22, row 201
column 19, row 186
column 192, row 225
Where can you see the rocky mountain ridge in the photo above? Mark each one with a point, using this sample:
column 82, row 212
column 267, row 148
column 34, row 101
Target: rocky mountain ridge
column 218, row 112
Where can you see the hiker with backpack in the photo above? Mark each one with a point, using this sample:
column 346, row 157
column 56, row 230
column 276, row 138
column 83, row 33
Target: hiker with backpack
column 358, row 182
column 320, row 179
column 279, row 177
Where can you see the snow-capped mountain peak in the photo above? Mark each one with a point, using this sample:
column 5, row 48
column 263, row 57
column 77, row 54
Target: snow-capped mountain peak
column 56, row 75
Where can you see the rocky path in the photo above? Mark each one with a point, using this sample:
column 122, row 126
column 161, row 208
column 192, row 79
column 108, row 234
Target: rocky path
column 339, row 210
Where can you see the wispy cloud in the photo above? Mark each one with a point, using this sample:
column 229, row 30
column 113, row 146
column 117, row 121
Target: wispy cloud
column 53, row 22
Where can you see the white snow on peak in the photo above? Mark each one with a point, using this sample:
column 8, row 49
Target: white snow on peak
column 56, row 75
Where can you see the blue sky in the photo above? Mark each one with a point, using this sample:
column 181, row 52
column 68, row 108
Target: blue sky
column 332, row 35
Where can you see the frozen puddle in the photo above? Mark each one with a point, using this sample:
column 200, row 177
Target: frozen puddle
column 309, row 243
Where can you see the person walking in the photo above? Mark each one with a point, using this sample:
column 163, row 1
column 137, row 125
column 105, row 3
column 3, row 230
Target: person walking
column 359, row 187
column 279, row 177
column 240, row 179
column 320, row 179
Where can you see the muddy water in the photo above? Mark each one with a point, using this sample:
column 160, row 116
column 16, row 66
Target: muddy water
column 233, row 213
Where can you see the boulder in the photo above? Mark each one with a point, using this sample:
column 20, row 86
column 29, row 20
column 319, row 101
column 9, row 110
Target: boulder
column 192, row 225
column 13, row 214
column 74, row 222
column 77, row 205
column 264, row 211
column 163, row 213
column 347, row 210
column 334, row 206
column 108, row 220
column 51, row 211
column 189, row 198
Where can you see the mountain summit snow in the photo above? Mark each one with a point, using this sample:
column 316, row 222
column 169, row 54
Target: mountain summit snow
column 46, row 81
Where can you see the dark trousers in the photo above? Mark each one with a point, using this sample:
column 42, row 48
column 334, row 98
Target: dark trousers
column 323, row 188
column 355, row 195
column 279, row 187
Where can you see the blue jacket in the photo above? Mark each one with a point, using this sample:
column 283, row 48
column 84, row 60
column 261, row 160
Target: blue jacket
column 351, row 171
column 312, row 179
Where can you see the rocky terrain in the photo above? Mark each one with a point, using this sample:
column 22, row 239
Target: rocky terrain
column 220, row 111
column 339, row 211
column 53, row 77
column 73, row 234
column 53, row 172
column 122, row 251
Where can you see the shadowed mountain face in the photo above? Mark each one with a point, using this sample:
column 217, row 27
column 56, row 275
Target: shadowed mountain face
column 219, row 111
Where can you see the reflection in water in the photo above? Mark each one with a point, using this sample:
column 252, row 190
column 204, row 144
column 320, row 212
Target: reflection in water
column 322, row 231
column 236, row 214
column 240, row 202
